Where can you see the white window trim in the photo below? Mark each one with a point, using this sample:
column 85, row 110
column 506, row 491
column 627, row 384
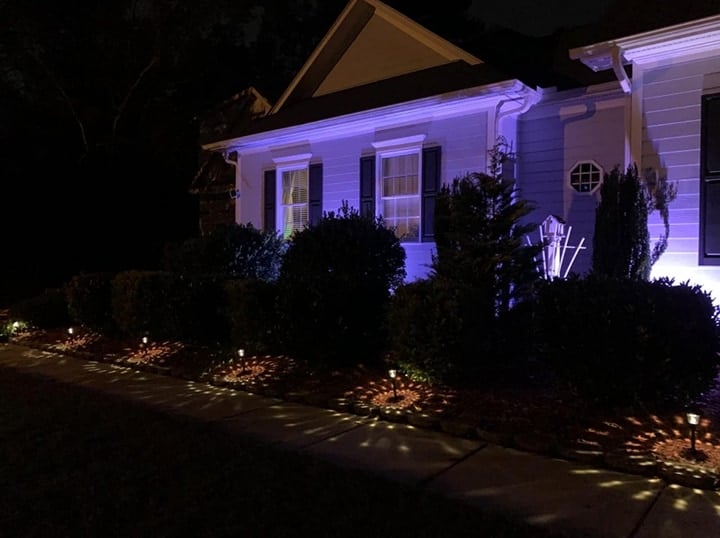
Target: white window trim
column 393, row 148
column 578, row 163
column 287, row 164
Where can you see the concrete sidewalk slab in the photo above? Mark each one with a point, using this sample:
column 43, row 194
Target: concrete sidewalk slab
column 198, row 400
column 542, row 490
column 292, row 424
column 399, row 451
column 682, row 512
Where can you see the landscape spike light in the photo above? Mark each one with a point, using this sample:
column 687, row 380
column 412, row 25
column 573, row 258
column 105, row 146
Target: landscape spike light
column 241, row 354
column 393, row 375
column 693, row 419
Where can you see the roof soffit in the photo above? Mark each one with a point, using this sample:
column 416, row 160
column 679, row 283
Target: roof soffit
column 695, row 38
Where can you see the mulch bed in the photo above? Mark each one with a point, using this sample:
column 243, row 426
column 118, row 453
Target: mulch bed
column 541, row 417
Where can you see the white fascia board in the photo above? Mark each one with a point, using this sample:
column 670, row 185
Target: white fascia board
column 446, row 105
column 699, row 37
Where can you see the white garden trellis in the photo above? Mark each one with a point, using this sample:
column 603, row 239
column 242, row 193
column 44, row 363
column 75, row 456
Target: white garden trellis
column 555, row 240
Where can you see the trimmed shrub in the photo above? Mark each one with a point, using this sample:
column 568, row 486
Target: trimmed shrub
column 437, row 335
column 235, row 251
column 89, row 297
column 47, row 310
column 252, row 316
column 427, row 331
column 334, row 284
column 628, row 342
column 170, row 305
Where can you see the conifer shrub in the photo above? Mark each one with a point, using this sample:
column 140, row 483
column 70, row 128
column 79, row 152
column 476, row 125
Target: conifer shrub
column 624, row 342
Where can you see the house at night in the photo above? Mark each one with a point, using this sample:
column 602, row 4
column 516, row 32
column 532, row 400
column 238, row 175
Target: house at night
column 385, row 111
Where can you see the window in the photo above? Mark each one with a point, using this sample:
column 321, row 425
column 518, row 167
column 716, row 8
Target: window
column 710, row 181
column 400, row 194
column 400, row 182
column 293, row 194
column 294, row 189
column 586, row 176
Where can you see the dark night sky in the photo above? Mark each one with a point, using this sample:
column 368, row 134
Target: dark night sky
column 538, row 18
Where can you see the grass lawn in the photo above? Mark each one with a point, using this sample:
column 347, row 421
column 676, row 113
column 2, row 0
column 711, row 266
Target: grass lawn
column 78, row 463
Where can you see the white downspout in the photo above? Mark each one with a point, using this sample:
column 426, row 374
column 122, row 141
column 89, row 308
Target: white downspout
column 236, row 193
column 619, row 69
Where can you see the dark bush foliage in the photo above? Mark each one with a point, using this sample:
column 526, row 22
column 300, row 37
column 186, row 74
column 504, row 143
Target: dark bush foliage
column 170, row 305
column 481, row 242
column 47, row 310
column 437, row 335
column 621, row 242
column 333, row 287
column 89, row 297
column 236, row 251
column 252, row 315
column 628, row 342
column 428, row 333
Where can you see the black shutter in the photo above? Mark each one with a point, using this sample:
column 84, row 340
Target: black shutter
column 367, row 186
column 430, row 188
column 710, row 181
column 315, row 194
column 269, row 186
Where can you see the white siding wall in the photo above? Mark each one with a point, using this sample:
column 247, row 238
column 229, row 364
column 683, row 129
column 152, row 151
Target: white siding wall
column 464, row 149
column 553, row 136
column 671, row 143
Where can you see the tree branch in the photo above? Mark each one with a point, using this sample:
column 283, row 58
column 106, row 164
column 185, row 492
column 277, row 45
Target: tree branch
column 126, row 99
column 66, row 98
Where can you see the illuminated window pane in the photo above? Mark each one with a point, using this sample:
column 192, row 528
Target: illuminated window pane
column 294, row 197
column 400, row 195
column 585, row 177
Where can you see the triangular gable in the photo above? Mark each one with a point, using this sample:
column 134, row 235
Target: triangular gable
column 369, row 42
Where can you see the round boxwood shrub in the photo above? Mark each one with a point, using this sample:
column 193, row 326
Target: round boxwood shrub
column 623, row 342
column 334, row 283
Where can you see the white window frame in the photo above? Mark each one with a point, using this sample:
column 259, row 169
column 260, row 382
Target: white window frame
column 411, row 145
column 601, row 172
column 288, row 164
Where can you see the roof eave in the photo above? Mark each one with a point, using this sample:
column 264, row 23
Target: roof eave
column 446, row 104
column 680, row 39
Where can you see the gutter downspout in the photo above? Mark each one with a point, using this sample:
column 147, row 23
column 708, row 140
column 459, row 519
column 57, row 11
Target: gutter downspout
column 620, row 73
column 633, row 107
column 236, row 192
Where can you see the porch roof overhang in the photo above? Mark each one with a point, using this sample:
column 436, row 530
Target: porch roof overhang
column 699, row 38
column 444, row 105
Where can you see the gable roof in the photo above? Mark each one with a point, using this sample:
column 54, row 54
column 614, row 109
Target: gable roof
column 355, row 25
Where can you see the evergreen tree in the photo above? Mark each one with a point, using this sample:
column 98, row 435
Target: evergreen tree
column 481, row 243
column 621, row 243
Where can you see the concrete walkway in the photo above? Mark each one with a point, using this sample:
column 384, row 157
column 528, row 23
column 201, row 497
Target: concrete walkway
column 566, row 496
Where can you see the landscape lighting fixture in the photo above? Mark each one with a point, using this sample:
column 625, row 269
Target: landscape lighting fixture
column 241, row 354
column 693, row 419
column 71, row 332
column 393, row 375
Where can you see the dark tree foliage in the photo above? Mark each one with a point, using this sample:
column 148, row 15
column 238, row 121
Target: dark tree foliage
column 621, row 243
column 334, row 284
column 235, row 251
column 481, row 242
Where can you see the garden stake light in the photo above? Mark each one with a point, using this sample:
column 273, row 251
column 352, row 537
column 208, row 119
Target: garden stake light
column 241, row 354
column 71, row 333
column 393, row 375
column 692, row 419
column 143, row 344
